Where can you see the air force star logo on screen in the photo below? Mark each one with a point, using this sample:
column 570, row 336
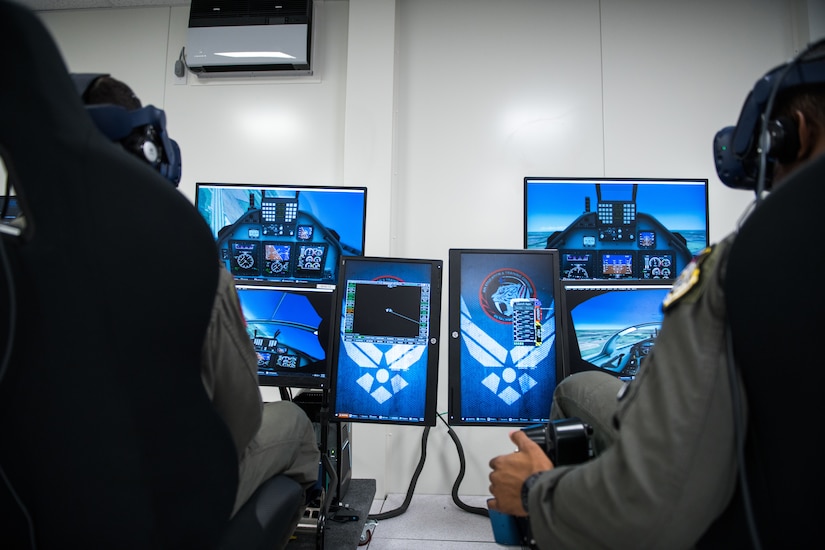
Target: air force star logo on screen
column 507, row 371
column 383, row 377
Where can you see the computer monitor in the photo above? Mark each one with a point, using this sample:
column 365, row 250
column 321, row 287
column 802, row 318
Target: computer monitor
column 385, row 353
column 611, row 325
column 284, row 232
column 617, row 228
column 290, row 328
column 505, row 354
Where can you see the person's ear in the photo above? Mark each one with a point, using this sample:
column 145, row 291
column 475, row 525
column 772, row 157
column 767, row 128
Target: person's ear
column 807, row 146
column 806, row 136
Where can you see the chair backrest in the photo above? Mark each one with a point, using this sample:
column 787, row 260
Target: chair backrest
column 775, row 293
column 107, row 436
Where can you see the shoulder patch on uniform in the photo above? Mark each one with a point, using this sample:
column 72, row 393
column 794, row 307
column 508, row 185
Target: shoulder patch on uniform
column 687, row 279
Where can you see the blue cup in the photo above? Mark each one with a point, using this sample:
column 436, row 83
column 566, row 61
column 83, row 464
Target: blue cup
column 505, row 527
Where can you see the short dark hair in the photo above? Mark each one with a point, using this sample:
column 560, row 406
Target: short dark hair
column 809, row 100
column 108, row 90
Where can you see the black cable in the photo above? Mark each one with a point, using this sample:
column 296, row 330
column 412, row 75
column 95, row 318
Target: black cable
column 403, row 508
column 462, row 468
column 739, row 434
column 764, row 136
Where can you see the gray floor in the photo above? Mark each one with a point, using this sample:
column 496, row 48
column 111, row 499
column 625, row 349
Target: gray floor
column 433, row 522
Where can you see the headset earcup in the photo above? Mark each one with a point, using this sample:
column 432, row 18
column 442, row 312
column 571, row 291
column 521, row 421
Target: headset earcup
column 143, row 143
column 784, row 139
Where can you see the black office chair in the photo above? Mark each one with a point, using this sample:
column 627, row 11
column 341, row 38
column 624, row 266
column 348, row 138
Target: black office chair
column 776, row 299
column 107, row 436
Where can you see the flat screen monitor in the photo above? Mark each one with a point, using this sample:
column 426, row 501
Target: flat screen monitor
column 505, row 356
column 385, row 353
column 290, row 328
column 617, row 228
column 611, row 325
column 282, row 232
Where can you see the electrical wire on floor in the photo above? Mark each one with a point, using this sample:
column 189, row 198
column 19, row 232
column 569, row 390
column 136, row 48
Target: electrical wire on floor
column 411, row 489
column 460, row 477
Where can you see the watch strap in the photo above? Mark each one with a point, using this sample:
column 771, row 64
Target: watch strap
column 525, row 490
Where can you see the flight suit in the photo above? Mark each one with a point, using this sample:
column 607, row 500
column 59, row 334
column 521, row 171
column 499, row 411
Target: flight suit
column 271, row 438
column 667, row 466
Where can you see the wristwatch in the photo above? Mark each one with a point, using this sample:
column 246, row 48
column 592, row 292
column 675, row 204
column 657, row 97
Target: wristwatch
column 525, row 489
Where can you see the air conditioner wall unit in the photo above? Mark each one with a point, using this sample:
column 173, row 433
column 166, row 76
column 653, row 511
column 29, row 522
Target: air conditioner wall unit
column 226, row 37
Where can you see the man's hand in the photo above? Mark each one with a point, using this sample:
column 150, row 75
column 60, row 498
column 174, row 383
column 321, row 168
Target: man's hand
column 510, row 471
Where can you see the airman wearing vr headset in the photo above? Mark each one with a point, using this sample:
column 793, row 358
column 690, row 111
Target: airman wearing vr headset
column 666, row 460
column 271, row 438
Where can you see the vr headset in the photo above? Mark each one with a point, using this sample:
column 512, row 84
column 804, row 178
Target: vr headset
column 737, row 149
column 142, row 131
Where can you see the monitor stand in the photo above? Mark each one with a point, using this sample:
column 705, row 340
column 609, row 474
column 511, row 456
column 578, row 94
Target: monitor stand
column 333, row 440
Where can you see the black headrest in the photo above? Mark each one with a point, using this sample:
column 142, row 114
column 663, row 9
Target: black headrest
column 775, row 301
column 105, row 420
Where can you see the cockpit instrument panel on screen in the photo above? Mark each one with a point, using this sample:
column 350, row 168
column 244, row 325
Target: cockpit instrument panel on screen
column 617, row 228
column 284, row 233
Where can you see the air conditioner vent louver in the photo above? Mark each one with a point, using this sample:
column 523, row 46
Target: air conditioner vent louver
column 210, row 13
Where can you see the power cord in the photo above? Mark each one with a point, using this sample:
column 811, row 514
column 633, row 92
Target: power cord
column 403, row 508
column 462, row 468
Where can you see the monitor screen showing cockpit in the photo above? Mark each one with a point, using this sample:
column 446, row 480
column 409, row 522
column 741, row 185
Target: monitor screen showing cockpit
column 617, row 228
column 290, row 328
column 611, row 326
column 284, row 233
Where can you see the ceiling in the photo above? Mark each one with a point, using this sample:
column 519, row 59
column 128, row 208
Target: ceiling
column 44, row 5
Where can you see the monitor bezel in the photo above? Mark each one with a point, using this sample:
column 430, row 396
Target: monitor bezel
column 598, row 252
column 454, row 374
column 436, row 268
column 286, row 380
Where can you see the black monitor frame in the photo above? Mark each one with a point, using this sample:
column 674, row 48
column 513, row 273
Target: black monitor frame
column 385, row 352
column 502, row 392
column 623, row 328
column 290, row 349
column 617, row 228
column 284, row 233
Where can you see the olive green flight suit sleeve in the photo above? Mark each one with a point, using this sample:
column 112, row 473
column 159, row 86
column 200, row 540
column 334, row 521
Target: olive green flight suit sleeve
column 672, row 470
column 229, row 366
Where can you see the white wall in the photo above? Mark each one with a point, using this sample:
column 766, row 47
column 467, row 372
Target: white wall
column 441, row 108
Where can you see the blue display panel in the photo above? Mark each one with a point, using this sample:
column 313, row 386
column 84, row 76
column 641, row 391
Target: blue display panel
column 505, row 354
column 385, row 354
column 290, row 328
column 284, row 233
column 9, row 209
column 617, row 228
column 611, row 325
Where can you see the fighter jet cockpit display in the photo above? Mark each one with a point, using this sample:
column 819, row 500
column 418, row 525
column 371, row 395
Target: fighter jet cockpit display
column 612, row 325
column 284, row 233
column 617, row 228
